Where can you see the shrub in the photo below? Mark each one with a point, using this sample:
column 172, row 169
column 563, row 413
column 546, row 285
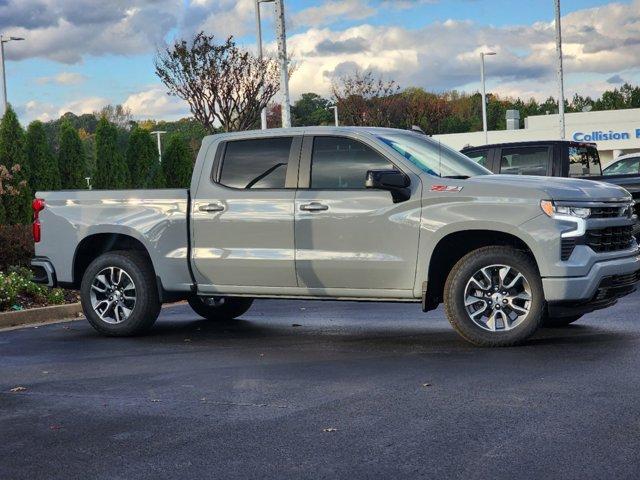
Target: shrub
column 8, row 289
column 16, row 245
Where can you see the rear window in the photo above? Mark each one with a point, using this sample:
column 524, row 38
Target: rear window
column 525, row 160
column 260, row 163
column 584, row 161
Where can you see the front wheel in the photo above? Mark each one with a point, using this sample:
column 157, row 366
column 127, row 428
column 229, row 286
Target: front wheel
column 493, row 297
column 220, row 308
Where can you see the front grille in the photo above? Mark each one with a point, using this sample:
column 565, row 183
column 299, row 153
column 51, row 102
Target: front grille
column 608, row 212
column 566, row 248
column 610, row 239
column 617, row 281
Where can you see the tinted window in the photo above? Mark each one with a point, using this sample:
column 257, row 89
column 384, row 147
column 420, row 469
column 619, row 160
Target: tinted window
column 524, row 160
column 623, row 167
column 480, row 157
column 583, row 161
column 258, row 163
column 343, row 163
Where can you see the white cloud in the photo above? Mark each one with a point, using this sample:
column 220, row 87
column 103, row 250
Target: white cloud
column 155, row 103
column 63, row 78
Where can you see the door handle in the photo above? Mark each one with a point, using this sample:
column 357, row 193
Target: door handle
column 314, row 207
column 211, row 207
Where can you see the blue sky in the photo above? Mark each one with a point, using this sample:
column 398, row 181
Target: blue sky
column 82, row 54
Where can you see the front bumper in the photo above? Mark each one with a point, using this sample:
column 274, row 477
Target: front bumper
column 43, row 272
column 606, row 282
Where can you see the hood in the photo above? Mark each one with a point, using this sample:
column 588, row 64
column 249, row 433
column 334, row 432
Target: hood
column 562, row 189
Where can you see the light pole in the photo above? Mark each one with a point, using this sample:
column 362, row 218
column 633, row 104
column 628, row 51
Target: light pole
column 335, row 113
column 560, row 71
column 281, row 36
column 157, row 133
column 263, row 113
column 3, row 40
column 484, row 96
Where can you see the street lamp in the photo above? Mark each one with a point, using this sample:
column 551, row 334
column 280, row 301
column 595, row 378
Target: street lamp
column 263, row 113
column 560, row 71
column 281, row 37
column 484, row 96
column 335, row 113
column 3, row 97
column 157, row 133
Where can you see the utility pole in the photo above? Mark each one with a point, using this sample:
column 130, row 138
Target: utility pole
column 560, row 71
column 263, row 113
column 157, row 133
column 3, row 78
column 281, row 36
column 335, row 114
column 484, row 96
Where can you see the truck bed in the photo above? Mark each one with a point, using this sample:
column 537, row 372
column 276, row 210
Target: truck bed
column 158, row 219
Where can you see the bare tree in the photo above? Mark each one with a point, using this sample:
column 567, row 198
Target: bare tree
column 119, row 115
column 221, row 83
column 365, row 99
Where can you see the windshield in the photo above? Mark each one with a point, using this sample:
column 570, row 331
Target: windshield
column 432, row 156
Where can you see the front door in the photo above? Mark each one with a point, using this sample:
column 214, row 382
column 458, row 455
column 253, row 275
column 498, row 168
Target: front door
column 243, row 216
column 347, row 236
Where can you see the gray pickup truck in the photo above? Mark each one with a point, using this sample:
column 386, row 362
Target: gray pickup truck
column 365, row 214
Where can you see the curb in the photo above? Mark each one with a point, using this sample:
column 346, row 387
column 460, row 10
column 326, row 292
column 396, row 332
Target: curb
column 40, row 315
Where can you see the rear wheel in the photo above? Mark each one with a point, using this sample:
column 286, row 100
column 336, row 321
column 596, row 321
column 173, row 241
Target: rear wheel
column 220, row 308
column 119, row 293
column 558, row 322
column 493, row 297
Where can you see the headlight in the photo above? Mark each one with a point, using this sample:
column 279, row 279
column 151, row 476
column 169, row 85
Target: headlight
column 551, row 210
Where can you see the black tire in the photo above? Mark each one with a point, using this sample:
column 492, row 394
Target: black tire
column 147, row 301
column 220, row 308
column 454, row 295
column 558, row 322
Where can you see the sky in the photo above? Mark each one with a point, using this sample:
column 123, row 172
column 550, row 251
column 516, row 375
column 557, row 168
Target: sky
column 80, row 55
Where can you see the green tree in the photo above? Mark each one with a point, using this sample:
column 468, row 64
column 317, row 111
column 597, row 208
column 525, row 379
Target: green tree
column 71, row 159
column 111, row 167
column 43, row 166
column 311, row 109
column 142, row 160
column 17, row 206
column 176, row 163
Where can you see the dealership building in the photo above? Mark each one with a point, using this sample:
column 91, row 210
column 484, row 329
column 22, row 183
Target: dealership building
column 616, row 132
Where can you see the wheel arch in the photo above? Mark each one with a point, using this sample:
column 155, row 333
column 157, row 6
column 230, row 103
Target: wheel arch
column 452, row 246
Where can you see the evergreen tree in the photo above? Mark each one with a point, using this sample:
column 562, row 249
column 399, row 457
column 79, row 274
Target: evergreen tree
column 17, row 207
column 43, row 166
column 142, row 160
column 176, row 163
column 111, row 167
column 71, row 159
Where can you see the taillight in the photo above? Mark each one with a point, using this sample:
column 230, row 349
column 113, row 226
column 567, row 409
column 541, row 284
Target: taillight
column 37, row 205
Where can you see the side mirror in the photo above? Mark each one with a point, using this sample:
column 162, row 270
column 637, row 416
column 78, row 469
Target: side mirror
column 393, row 181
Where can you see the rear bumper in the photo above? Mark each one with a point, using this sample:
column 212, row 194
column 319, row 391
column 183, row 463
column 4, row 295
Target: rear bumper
column 43, row 272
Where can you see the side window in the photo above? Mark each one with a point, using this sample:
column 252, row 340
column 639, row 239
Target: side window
column 259, row 163
column 623, row 167
column 338, row 162
column 479, row 156
column 583, row 161
column 525, row 160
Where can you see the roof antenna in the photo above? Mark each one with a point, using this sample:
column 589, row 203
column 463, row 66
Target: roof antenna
column 416, row 128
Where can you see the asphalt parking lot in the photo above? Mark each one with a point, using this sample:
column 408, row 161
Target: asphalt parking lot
column 321, row 390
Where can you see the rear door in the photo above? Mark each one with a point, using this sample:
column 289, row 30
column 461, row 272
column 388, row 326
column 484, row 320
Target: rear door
column 347, row 236
column 243, row 215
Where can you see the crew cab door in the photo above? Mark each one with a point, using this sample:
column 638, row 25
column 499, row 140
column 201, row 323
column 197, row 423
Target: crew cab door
column 349, row 237
column 242, row 215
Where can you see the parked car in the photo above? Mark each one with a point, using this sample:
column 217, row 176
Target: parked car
column 365, row 214
column 555, row 158
column 624, row 165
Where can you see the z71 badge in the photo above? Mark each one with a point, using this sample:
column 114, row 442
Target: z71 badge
column 445, row 188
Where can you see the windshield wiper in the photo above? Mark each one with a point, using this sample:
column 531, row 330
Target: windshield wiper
column 460, row 177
